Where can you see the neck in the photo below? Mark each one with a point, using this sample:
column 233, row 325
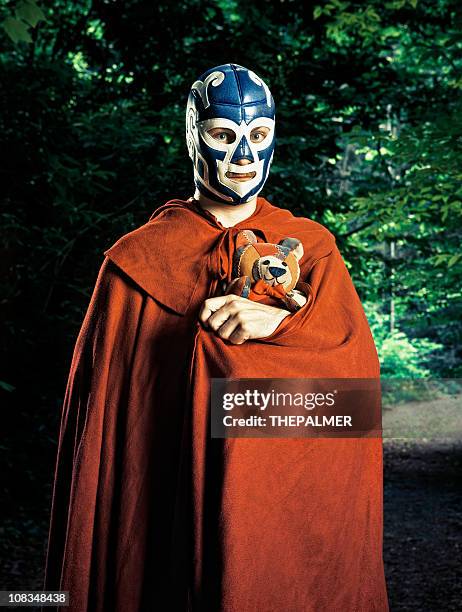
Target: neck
column 227, row 214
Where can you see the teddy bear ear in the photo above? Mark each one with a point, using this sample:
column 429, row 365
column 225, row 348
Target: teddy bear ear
column 244, row 238
column 294, row 245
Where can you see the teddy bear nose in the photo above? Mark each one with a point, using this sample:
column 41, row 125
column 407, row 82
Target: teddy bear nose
column 276, row 271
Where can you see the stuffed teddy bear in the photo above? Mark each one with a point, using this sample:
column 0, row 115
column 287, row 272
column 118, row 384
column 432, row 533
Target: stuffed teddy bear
column 267, row 273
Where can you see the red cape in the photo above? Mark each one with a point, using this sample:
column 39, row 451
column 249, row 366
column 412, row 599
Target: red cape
column 149, row 512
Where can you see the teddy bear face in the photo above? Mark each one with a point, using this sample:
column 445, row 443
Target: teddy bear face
column 274, row 268
column 267, row 272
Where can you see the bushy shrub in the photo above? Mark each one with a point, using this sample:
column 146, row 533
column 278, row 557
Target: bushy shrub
column 399, row 355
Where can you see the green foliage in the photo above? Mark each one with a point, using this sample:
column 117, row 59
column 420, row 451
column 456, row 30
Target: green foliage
column 402, row 357
column 368, row 142
column 399, row 355
column 26, row 16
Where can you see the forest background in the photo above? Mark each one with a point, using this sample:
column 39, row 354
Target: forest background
column 92, row 103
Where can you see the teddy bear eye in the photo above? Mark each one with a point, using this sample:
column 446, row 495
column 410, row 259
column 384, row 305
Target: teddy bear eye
column 266, row 262
column 284, row 264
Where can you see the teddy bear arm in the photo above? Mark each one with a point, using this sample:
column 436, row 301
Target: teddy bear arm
column 239, row 286
column 299, row 297
column 296, row 299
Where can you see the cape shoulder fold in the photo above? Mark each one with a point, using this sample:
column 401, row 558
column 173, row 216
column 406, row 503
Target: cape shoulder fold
column 165, row 256
column 159, row 261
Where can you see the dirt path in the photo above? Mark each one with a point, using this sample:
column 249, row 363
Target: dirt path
column 423, row 525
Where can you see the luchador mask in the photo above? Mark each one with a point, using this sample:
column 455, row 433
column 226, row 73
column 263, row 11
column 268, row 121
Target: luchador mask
column 234, row 98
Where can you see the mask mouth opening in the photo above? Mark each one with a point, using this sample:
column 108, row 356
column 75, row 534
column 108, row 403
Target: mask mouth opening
column 240, row 176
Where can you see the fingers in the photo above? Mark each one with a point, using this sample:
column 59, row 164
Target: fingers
column 238, row 319
column 222, row 315
column 239, row 335
column 234, row 329
column 225, row 315
column 227, row 328
column 239, row 327
column 212, row 305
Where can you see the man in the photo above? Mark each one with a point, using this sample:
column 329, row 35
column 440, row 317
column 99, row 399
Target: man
column 230, row 133
column 149, row 512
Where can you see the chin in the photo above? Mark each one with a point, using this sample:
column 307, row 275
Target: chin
column 213, row 199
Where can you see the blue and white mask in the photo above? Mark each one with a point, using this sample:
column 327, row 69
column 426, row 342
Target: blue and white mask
column 235, row 98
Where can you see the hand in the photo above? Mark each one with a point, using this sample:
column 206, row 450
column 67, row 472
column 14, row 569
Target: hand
column 238, row 319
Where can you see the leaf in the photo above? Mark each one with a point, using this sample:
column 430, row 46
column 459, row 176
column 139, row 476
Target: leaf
column 30, row 13
column 317, row 12
column 6, row 386
column 17, row 30
column 437, row 259
column 454, row 259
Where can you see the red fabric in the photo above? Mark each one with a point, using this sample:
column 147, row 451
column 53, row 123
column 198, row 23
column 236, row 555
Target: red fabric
column 149, row 512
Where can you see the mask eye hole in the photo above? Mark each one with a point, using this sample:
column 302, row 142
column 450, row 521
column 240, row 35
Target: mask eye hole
column 259, row 134
column 266, row 262
column 224, row 135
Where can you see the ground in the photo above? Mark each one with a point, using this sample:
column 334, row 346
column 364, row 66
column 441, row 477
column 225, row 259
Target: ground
column 423, row 525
